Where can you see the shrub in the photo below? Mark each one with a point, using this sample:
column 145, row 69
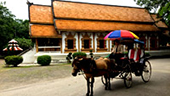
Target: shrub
column 44, row 60
column 13, row 60
column 79, row 54
column 147, row 54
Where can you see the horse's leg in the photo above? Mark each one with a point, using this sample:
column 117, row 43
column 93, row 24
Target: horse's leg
column 88, row 87
column 109, row 85
column 92, row 82
column 106, row 85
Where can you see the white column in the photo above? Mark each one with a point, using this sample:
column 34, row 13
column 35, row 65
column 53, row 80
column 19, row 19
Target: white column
column 107, row 45
column 146, row 41
column 157, row 42
column 95, row 39
column 111, row 45
column 91, row 36
column 149, row 43
column 76, row 36
column 63, row 41
column 81, row 41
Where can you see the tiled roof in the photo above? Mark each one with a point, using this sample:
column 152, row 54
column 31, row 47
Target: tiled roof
column 44, row 31
column 86, row 17
column 99, row 12
column 41, row 14
column 102, row 26
column 159, row 23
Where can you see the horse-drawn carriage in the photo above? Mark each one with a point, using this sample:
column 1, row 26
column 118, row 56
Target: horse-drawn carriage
column 135, row 61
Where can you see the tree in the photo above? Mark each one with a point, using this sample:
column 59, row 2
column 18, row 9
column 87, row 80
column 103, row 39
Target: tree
column 163, row 7
column 21, row 28
column 6, row 24
column 10, row 27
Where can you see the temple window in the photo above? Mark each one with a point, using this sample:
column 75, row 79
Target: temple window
column 48, row 44
column 101, row 44
column 153, row 44
column 153, row 41
column 86, row 44
column 70, row 44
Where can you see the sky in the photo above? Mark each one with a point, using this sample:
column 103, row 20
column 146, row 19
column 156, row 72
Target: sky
column 20, row 9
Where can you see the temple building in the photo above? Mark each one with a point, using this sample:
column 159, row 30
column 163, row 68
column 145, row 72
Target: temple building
column 67, row 26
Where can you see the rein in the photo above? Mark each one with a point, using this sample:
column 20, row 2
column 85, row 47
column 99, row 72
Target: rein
column 83, row 74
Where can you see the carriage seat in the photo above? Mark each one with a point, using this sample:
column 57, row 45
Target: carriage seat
column 135, row 54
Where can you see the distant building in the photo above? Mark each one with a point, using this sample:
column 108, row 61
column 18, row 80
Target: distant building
column 67, row 26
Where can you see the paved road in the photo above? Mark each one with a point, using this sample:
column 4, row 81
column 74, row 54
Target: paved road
column 159, row 85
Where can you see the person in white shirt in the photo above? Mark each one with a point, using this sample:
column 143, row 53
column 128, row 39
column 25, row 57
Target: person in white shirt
column 118, row 48
column 117, row 51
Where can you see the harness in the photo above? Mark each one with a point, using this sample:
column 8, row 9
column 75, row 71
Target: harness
column 88, row 66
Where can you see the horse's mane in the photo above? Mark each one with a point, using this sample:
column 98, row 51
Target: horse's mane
column 87, row 63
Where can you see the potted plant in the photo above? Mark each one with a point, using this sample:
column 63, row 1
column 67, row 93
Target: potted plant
column 91, row 53
column 69, row 57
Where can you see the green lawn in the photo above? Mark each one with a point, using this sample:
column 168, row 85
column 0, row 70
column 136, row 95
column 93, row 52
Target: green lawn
column 21, row 75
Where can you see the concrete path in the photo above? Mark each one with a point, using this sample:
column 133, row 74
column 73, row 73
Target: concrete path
column 76, row 86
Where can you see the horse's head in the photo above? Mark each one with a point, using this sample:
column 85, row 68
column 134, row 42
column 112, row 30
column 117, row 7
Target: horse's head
column 76, row 66
column 84, row 64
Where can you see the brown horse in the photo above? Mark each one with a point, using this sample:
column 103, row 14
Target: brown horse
column 93, row 68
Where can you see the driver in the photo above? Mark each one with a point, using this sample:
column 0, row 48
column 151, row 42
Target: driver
column 117, row 51
column 118, row 48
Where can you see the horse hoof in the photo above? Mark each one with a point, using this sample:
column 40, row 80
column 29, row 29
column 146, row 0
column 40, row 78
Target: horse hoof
column 107, row 88
column 87, row 94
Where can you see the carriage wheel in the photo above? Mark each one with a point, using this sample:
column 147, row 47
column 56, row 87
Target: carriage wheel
column 147, row 70
column 103, row 80
column 128, row 77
